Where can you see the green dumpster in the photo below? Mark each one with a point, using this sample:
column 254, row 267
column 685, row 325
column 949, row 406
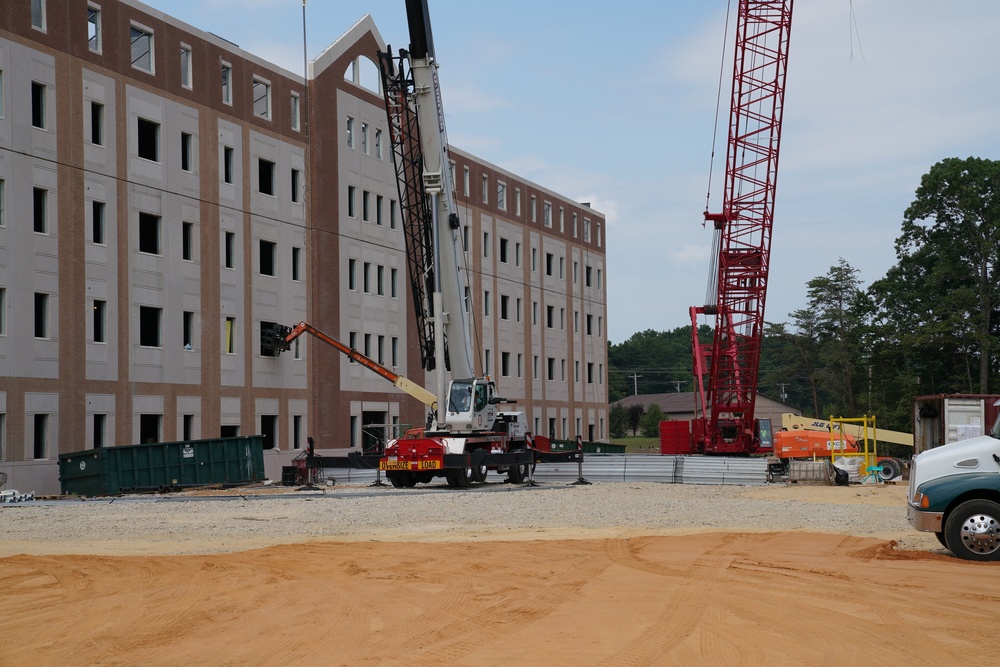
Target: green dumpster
column 162, row 466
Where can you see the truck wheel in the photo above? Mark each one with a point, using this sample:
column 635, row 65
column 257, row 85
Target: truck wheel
column 972, row 530
column 518, row 474
column 460, row 478
column 940, row 536
column 479, row 473
column 396, row 479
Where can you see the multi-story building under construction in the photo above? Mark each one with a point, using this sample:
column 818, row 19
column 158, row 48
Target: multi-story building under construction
column 164, row 194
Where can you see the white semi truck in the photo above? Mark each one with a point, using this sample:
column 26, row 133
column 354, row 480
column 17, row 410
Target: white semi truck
column 954, row 492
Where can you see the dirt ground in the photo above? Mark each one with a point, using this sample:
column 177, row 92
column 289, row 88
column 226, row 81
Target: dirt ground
column 714, row 598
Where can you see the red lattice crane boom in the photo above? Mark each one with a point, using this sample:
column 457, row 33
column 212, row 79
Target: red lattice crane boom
column 726, row 369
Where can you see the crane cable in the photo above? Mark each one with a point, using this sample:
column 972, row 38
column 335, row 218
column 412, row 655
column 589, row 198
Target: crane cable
column 853, row 29
column 718, row 103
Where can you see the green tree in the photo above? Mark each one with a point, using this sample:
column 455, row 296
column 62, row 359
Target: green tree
column 650, row 422
column 789, row 362
column 635, row 413
column 832, row 314
column 662, row 359
column 618, row 421
column 953, row 225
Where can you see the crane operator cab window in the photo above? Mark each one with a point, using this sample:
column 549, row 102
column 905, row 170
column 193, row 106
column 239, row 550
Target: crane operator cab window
column 460, row 399
column 480, row 397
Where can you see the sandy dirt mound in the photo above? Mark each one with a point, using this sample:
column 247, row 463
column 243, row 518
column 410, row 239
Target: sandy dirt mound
column 715, row 598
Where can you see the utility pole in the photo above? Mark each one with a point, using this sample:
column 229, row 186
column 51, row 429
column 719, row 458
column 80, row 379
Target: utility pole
column 784, row 396
column 678, row 384
column 635, row 383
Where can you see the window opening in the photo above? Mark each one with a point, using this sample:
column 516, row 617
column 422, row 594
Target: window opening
column 149, row 233
column 149, row 326
column 149, row 140
column 230, row 250
column 100, row 315
column 38, row 105
column 97, row 123
column 142, row 49
column 262, row 98
column 266, row 176
column 267, row 256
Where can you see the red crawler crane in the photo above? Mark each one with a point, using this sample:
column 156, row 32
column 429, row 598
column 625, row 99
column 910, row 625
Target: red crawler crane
column 726, row 369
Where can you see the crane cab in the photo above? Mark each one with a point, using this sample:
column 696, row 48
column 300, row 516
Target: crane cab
column 471, row 405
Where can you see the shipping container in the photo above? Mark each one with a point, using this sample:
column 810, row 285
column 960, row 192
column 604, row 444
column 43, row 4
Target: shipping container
column 945, row 418
column 162, row 466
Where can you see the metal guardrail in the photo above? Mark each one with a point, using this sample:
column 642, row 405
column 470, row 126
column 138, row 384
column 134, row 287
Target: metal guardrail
column 738, row 471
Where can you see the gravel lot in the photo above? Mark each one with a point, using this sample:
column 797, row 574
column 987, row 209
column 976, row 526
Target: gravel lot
column 206, row 523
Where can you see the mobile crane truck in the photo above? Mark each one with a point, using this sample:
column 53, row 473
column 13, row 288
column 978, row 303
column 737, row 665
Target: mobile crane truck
column 467, row 435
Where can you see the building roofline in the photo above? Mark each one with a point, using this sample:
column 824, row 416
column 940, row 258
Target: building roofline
column 515, row 177
column 339, row 47
column 214, row 39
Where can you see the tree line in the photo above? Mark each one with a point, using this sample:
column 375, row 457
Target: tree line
column 928, row 326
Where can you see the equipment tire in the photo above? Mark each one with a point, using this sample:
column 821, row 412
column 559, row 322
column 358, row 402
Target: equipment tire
column 396, row 479
column 940, row 536
column 409, row 480
column 972, row 530
column 518, row 474
column 886, row 470
column 460, row 477
column 890, row 467
column 479, row 473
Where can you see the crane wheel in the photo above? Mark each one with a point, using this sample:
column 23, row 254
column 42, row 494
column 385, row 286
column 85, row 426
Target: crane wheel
column 518, row 474
column 460, row 477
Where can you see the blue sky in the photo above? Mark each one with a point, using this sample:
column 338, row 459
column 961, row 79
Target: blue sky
column 613, row 103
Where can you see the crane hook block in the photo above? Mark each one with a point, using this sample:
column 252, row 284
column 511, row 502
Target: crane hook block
column 718, row 219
